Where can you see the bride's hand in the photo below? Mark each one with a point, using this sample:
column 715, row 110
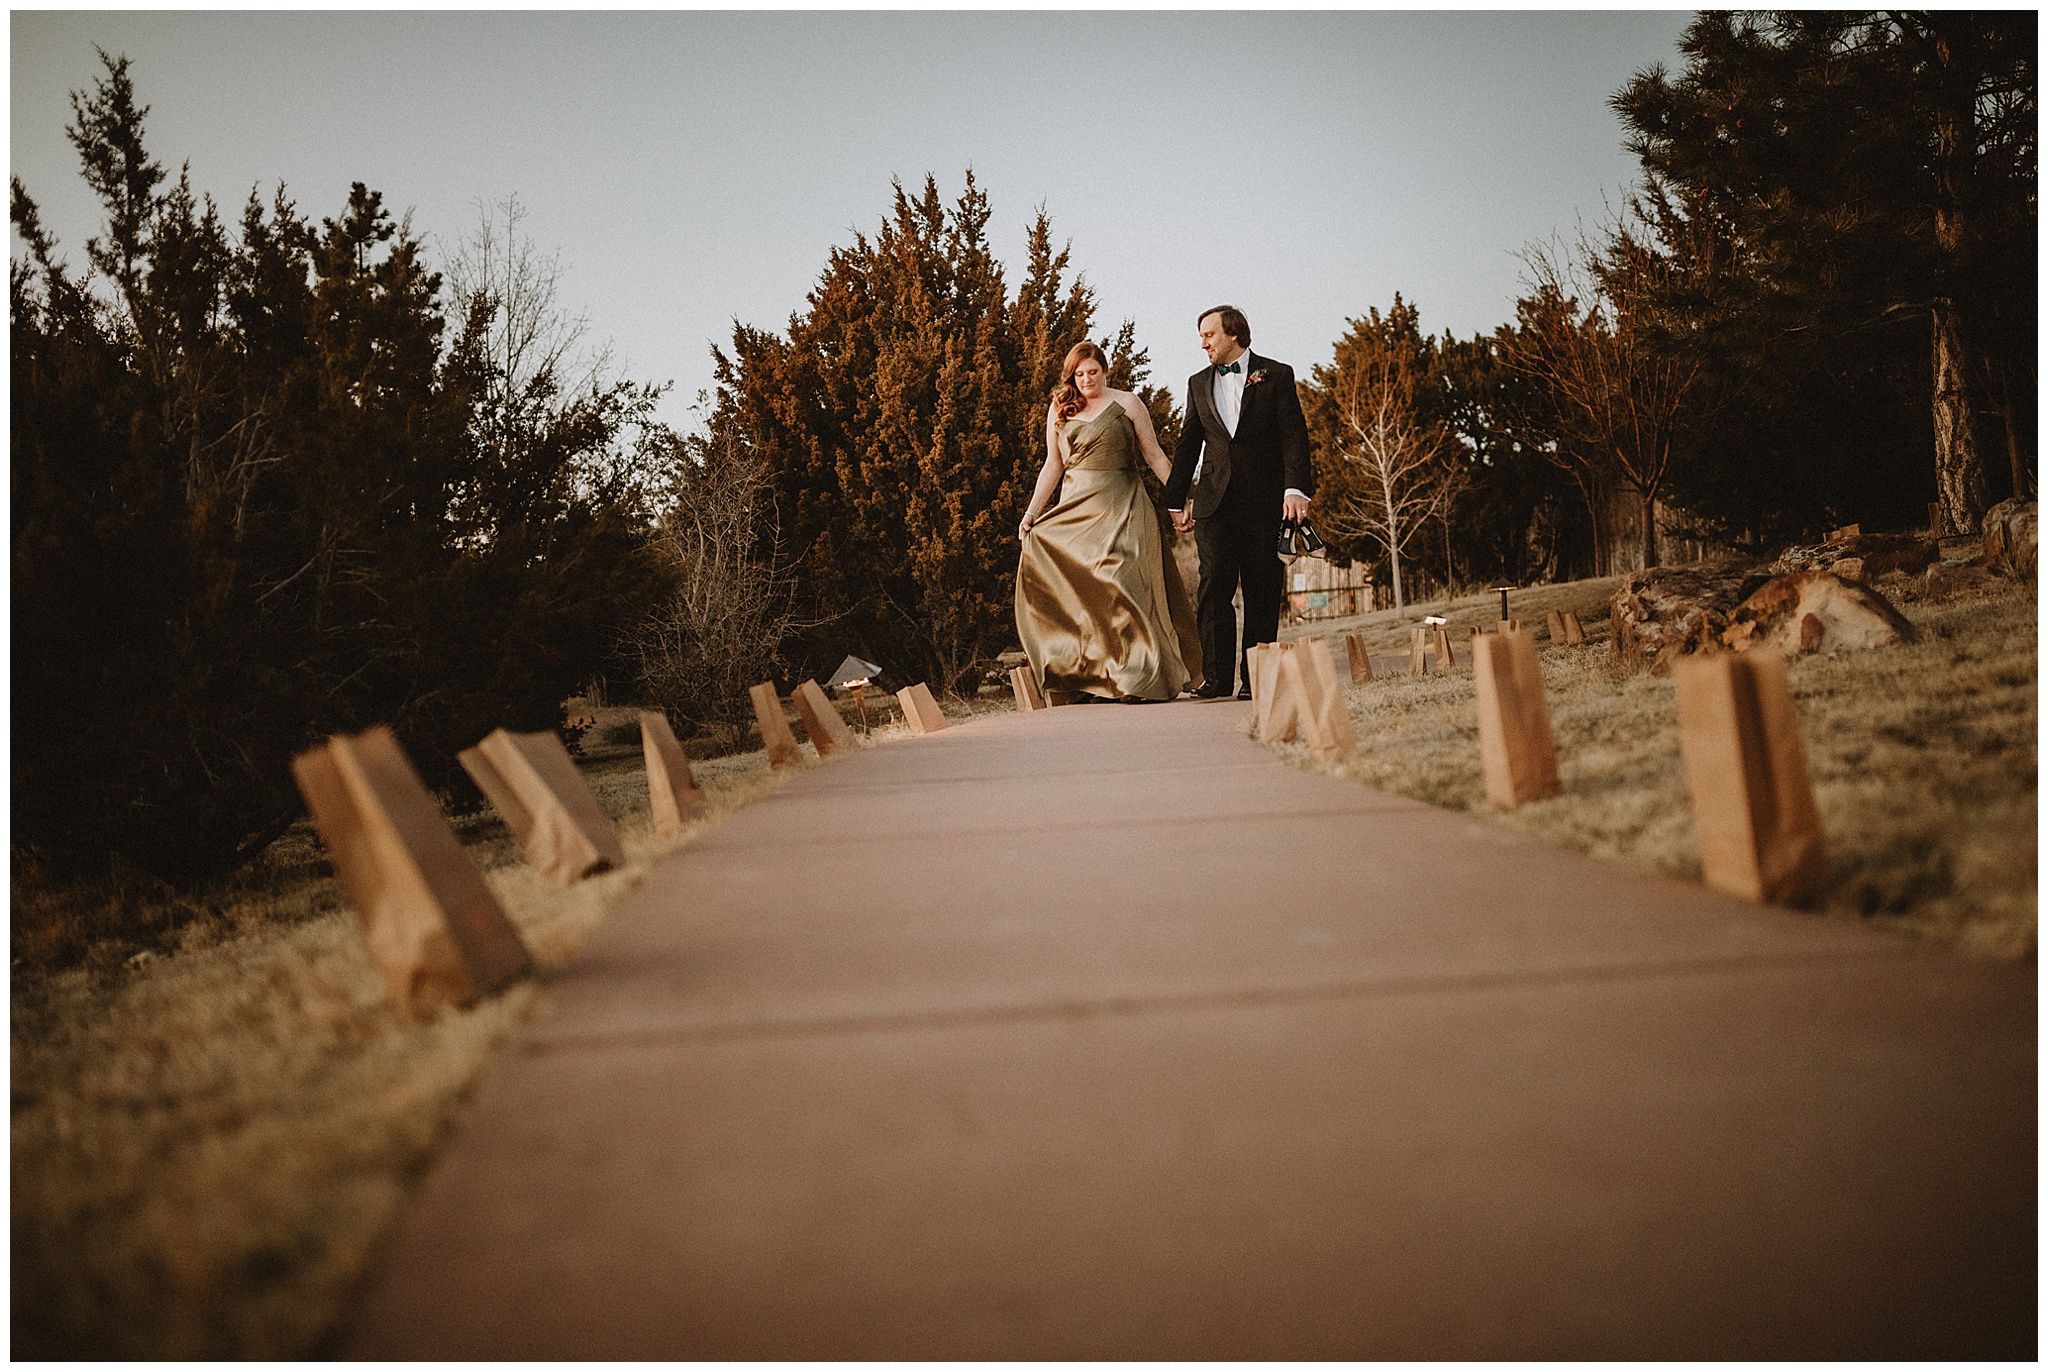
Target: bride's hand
column 1024, row 527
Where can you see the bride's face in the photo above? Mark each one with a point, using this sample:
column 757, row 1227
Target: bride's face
column 1088, row 378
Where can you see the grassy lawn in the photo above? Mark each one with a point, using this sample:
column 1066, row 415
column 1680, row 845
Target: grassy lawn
column 211, row 1137
column 1923, row 756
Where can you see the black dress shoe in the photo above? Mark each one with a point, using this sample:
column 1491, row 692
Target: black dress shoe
column 1210, row 692
column 1244, row 692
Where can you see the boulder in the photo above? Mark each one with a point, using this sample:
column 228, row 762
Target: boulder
column 1947, row 579
column 1660, row 613
column 1873, row 554
column 2009, row 538
column 1804, row 612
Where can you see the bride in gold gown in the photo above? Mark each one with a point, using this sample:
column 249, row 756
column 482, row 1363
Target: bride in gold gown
column 1101, row 609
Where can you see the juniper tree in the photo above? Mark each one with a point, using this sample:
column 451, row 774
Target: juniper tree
column 250, row 508
column 901, row 416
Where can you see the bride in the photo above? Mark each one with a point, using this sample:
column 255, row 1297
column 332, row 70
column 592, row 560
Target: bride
column 1101, row 609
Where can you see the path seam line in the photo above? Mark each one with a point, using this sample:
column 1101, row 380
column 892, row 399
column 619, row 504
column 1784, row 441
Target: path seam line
column 1119, row 1007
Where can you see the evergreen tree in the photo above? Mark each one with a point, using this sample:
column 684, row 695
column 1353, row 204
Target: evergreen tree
column 1866, row 173
column 901, row 417
column 253, row 506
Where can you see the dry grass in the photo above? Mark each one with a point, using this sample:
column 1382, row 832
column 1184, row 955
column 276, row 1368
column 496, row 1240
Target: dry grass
column 1386, row 631
column 1923, row 756
column 211, row 1140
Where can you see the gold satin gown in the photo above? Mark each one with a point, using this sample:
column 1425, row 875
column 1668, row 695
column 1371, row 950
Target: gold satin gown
column 1100, row 606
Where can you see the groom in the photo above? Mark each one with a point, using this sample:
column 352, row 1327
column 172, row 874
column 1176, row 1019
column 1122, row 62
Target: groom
column 1244, row 427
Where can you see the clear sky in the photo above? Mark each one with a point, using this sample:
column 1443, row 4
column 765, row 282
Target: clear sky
column 696, row 168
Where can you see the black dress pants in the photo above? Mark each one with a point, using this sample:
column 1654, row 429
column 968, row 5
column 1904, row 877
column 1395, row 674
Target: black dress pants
column 1239, row 547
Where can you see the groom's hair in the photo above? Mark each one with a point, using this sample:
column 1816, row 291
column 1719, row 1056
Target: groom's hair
column 1234, row 323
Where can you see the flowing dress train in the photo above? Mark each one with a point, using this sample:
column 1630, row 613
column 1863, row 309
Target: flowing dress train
column 1101, row 607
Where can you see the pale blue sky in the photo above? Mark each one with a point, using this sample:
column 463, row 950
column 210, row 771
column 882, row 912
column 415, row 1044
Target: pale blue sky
column 694, row 168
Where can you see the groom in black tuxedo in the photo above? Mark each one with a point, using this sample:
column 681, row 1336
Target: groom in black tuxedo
column 1244, row 428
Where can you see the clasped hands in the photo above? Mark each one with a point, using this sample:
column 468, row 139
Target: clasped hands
column 1293, row 510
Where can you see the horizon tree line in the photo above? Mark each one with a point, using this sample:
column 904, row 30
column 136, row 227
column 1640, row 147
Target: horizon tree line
column 284, row 479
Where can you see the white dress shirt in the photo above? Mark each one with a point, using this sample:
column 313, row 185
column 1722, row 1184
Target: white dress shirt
column 1227, row 390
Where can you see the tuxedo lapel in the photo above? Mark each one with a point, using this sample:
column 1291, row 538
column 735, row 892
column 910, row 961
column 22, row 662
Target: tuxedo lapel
column 1205, row 402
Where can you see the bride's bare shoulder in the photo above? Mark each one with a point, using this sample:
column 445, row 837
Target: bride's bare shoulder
column 1132, row 405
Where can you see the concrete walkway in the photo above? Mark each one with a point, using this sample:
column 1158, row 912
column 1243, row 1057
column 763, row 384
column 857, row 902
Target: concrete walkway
column 1100, row 1033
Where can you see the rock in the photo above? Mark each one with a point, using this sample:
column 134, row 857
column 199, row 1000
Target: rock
column 1798, row 612
column 1946, row 579
column 1662, row 612
column 1875, row 555
column 1849, row 569
column 2009, row 537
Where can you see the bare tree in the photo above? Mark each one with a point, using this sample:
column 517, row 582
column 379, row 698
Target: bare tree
column 531, row 340
column 549, row 415
column 1401, row 469
column 723, row 627
column 1609, row 370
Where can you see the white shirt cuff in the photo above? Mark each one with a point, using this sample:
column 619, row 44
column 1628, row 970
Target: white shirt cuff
column 1292, row 491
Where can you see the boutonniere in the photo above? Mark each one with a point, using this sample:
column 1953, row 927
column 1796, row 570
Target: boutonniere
column 1256, row 377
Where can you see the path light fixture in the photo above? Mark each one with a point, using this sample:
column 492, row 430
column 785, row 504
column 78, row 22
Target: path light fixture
column 1434, row 619
column 1504, row 588
column 853, row 675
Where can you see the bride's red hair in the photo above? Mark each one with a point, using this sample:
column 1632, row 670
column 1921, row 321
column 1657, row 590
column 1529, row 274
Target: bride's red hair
column 1067, row 400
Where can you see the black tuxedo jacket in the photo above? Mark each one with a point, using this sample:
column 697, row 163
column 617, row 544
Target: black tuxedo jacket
column 1268, row 453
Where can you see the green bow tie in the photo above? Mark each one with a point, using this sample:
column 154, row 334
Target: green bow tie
column 1227, row 368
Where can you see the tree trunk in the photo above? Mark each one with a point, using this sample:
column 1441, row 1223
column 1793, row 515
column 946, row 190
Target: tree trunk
column 1997, row 379
column 1594, row 494
column 1649, row 530
column 1958, row 469
column 2020, row 488
column 1394, row 558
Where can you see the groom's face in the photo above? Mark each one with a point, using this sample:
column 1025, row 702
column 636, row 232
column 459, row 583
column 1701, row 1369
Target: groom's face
column 1216, row 341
